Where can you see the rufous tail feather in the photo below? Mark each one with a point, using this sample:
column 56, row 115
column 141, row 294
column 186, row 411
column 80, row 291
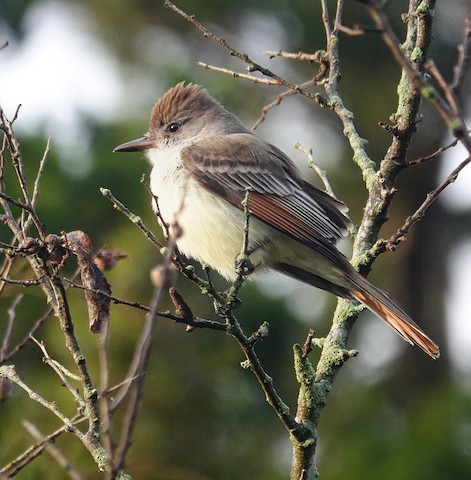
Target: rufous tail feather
column 398, row 320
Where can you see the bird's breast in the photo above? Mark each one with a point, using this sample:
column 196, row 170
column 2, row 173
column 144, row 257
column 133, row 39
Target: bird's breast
column 212, row 228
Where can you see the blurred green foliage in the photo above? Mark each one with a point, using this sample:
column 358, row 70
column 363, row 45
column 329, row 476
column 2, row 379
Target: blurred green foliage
column 202, row 415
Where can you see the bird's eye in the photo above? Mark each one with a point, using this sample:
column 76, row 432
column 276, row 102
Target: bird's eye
column 173, row 127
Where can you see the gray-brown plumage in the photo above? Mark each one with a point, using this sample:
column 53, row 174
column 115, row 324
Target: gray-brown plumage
column 204, row 161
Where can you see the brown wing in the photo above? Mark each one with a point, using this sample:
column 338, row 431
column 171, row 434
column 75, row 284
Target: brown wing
column 281, row 199
column 229, row 165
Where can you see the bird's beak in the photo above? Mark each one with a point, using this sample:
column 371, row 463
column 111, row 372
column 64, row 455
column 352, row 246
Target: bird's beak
column 138, row 145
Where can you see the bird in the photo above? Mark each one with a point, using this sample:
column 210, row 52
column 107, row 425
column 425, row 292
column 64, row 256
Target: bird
column 205, row 163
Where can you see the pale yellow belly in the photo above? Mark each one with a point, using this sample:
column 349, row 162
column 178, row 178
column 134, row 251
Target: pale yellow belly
column 212, row 229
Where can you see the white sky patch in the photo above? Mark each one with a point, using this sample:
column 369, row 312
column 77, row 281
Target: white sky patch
column 378, row 345
column 305, row 301
column 303, row 128
column 259, row 32
column 458, row 308
column 59, row 71
column 456, row 196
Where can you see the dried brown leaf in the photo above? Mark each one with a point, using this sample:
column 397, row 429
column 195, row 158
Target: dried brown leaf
column 98, row 290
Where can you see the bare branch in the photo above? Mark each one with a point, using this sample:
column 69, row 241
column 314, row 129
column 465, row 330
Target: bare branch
column 61, row 372
column 434, row 155
column 36, row 326
column 357, row 143
column 463, row 58
column 9, row 328
column 42, row 165
column 313, row 164
column 251, row 65
column 301, row 56
column 196, row 322
column 134, row 218
column 53, row 451
column 234, row 74
column 265, row 381
column 289, row 93
column 448, row 110
column 22, row 344
column 136, row 374
column 16, row 203
column 9, row 371
column 17, row 161
column 15, row 466
column 399, row 236
column 103, row 400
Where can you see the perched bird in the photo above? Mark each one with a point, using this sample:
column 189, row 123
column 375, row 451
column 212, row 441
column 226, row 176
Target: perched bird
column 203, row 163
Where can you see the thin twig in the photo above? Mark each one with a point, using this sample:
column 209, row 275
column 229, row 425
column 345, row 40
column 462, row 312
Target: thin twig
column 134, row 218
column 301, row 56
column 102, row 398
column 232, row 73
column 288, row 93
column 9, row 328
column 40, row 172
column 24, row 459
column 9, row 371
column 391, row 243
column 357, row 143
column 247, row 212
column 37, row 180
column 452, row 102
column 196, row 322
column 186, row 270
column 355, row 31
column 251, row 65
column 244, row 266
column 463, row 58
column 27, row 338
column 314, row 165
column 114, row 299
column 13, row 147
column 265, row 381
column 23, row 283
column 434, row 155
column 7, row 264
column 36, row 326
column 163, row 279
column 17, row 203
column 326, row 20
column 449, row 112
column 61, row 372
column 138, row 368
column 55, row 453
